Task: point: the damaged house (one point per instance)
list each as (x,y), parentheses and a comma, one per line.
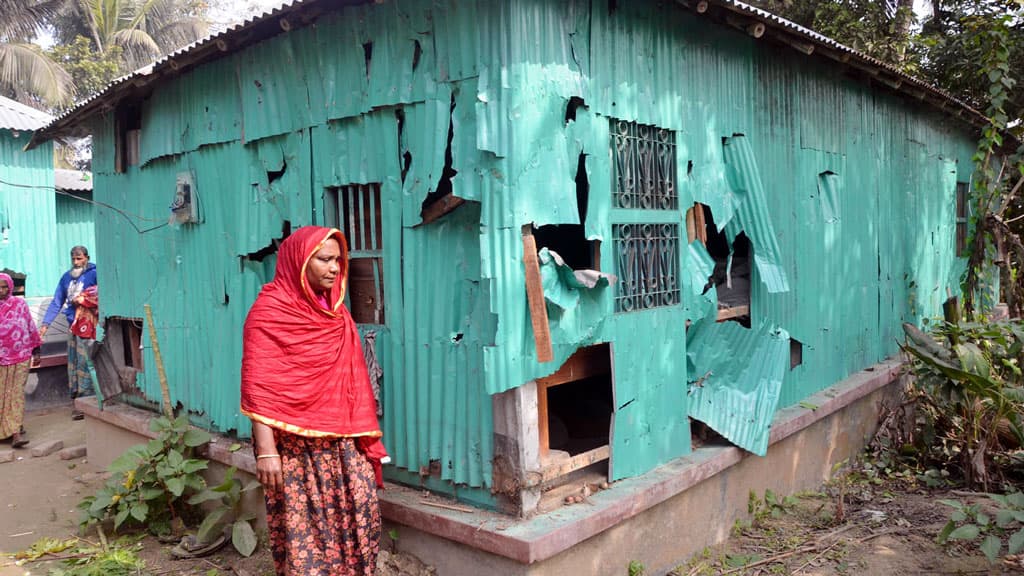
(580,231)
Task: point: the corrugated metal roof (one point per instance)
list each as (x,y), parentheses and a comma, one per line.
(72,180)
(275,21)
(17,116)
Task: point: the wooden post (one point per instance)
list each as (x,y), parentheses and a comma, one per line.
(164,390)
(535,296)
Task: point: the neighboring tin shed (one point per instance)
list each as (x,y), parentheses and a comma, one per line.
(574,225)
(27,229)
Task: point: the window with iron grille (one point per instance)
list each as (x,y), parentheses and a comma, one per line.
(645,232)
(644,167)
(962,189)
(356,210)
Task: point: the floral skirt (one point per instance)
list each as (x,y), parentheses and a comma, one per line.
(326,521)
(79,377)
(12,397)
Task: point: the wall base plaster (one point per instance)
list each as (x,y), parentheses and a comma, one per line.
(659,518)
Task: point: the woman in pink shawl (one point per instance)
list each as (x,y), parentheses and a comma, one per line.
(18,338)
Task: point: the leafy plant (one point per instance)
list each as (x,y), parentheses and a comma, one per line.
(971,522)
(120,558)
(151,483)
(770,506)
(969,384)
(229,513)
(636,568)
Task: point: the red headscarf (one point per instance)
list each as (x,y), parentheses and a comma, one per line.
(303,369)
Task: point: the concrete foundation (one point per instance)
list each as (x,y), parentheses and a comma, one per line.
(659,519)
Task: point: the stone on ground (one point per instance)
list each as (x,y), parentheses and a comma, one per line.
(73,452)
(47,448)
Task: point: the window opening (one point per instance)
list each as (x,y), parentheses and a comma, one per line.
(644,167)
(128,127)
(646,248)
(356,210)
(732,283)
(575,407)
(962,199)
(647,263)
(123,337)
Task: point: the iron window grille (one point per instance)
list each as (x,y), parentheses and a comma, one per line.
(644,167)
(647,262)
(356,210)
(645,236)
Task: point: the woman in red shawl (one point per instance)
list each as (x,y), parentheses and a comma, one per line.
(18,337)
(314,422)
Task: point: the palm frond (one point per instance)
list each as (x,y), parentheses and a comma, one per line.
(181,33)
(22,19)
(139,47)
(24,69)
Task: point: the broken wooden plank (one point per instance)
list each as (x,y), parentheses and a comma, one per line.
(734,312)
(535,296)
(440,207)
(577,462)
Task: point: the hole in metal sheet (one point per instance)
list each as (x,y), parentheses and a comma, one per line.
(689,167)
(368,56)
(796,353)
(444,184)
(570,240)
(570,110)
(457,337)
(275,175)
(259,255)
(417,53)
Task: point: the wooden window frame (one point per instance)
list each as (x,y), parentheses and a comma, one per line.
(584,363)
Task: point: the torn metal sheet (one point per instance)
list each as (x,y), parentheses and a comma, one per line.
(562,284)
(699,266)
(736,378)
(752,212)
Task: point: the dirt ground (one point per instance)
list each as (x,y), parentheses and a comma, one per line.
(885,527)
(40,495)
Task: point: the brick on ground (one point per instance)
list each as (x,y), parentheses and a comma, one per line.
(6,455)
(73,452)
(47,448)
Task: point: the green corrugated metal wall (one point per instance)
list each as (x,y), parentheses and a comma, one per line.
(873,250)
(76,224)
(27,210)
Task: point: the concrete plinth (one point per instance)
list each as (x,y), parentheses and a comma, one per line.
(658,519)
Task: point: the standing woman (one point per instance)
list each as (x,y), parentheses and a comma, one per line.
(18,337)
(314,419)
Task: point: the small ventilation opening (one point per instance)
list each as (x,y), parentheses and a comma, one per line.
(796,353)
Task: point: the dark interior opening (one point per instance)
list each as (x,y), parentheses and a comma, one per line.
(570,240)
(124,339)
(368,56)
(128,125)
(732,285)
(580,414)
(796,353)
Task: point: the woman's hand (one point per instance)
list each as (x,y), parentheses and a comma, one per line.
(270,473)
(269,470)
